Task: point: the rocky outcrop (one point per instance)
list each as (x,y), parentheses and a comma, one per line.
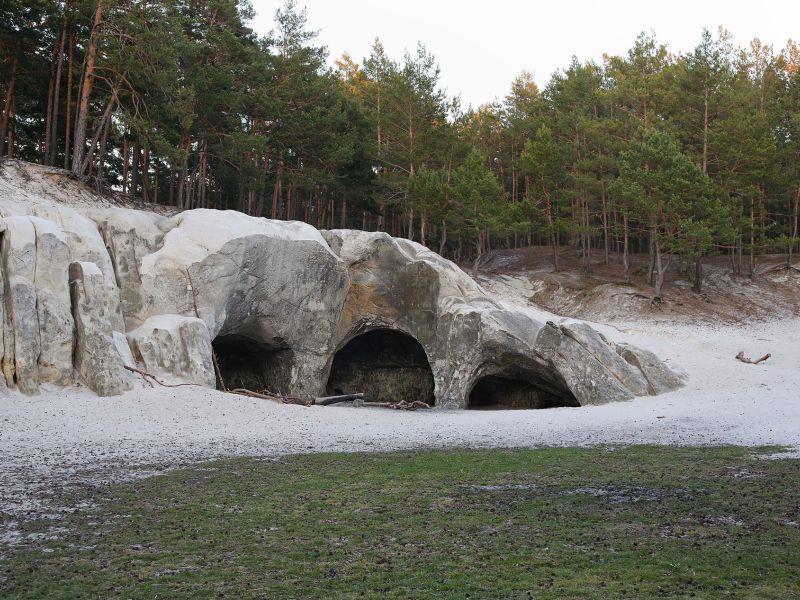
(98,359)
(177,348)
(277,301)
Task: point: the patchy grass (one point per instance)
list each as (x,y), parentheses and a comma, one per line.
(557,523)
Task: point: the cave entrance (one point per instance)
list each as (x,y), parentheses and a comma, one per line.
(253,365)
(385,365)
(495,392)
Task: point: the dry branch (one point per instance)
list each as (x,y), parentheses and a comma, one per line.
(265,395)
(402,405)
(741,357)
(328,400)
(147,376)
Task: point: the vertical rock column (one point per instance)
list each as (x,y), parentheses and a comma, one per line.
(96,357)
(22,344)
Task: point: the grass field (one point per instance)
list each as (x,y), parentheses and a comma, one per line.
(636,522)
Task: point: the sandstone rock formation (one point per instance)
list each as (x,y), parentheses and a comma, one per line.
(286,308)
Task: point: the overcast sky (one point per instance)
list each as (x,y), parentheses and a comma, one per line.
(482,46)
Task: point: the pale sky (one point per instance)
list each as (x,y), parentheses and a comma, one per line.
(482,46)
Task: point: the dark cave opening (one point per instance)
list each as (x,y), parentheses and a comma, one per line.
(385,365)
(253,365)
(494,392)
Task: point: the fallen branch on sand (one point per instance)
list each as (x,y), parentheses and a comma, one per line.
(148,376)
(402,405)
(274,397)
(328,400)
(741,357)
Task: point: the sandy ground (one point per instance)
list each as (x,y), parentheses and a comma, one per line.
(68,438)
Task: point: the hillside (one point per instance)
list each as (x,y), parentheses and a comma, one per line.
(602,295)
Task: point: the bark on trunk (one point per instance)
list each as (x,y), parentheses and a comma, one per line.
(49,115)
(625,237)
(698,275)
(660,267)
(7,106)
(86,91)
(68,120)
(752,237)
(98,130)
(793,241)
(276,191)
(51,159)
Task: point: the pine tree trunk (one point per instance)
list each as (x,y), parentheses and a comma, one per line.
(793,241)
(68,120)
(135,160)
(86,91)
(49,116)
(102,151)
(7,106)
(606,244)
(443,240)
(659,274)
(752,236)
(625,236)
(705,131)
(276,191)
(125,152)
(146,175)
(51,159)
(698,275)
(104,120)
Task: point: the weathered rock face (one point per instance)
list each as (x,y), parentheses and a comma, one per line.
(98,359)
(285,307)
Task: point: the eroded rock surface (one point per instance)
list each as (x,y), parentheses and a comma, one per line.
(280,303)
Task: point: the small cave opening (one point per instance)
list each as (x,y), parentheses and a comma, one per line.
(385,365)
(495,392)
(252,364)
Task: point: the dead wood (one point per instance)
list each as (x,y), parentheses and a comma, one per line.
(402,405)
(265,395)
(147,376)
(741,357)
(328,400)
(298,401)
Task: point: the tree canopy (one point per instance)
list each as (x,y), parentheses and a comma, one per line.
(180,103)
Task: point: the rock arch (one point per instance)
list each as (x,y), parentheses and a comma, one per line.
(512,386)
(384,364)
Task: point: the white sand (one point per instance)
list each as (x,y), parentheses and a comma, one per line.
(66,437)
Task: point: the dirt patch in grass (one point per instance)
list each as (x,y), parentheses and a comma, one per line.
(553,523)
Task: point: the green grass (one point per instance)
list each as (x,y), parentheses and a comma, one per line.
(638,522)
